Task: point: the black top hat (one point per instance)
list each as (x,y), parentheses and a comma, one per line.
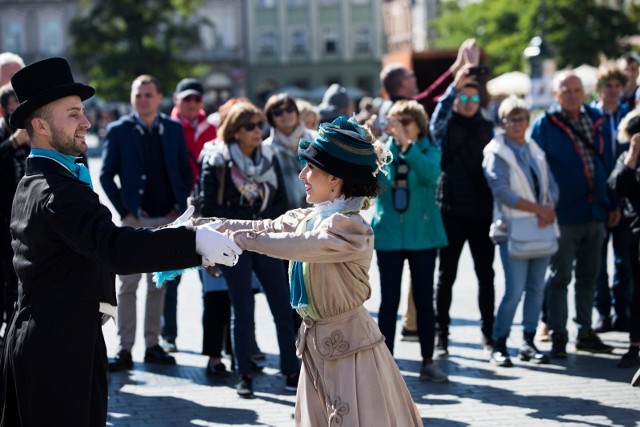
(43,82)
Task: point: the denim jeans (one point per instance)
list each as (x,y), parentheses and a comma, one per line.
(476,232)
(582,244)
(421,266)
(272,276)
(170,313)
(621,297)
(520,276)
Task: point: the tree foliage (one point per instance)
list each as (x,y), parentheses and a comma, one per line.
(117,40)
(577,31)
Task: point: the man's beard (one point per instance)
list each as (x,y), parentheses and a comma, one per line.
(63,144)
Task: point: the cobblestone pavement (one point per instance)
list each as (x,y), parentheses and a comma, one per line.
(583,390)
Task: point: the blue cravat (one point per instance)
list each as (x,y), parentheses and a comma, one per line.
(78,170)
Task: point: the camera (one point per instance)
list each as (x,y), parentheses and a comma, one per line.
(480,70)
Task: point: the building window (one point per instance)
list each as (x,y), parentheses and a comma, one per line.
(362,40)
(268,43)
(266,4)
(299,41)
(296,3)
(330,45)
(12,35)
(328,2)
(51,36)
(360,1)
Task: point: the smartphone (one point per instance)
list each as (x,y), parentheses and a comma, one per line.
(480,70)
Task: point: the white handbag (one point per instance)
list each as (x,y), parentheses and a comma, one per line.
(527,240)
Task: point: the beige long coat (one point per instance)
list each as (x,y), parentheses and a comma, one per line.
(349,378)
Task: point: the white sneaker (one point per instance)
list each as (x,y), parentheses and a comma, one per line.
(168,345)
(431,372)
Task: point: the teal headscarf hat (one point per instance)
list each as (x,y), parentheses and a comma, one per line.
(341,149)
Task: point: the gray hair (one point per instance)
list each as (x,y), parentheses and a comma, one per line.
(560,78)
(512,105)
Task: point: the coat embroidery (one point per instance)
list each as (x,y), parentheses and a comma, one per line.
(334,343)
(339,410)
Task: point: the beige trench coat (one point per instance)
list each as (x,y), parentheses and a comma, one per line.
(349,378)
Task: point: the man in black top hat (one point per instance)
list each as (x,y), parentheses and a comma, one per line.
(67,250)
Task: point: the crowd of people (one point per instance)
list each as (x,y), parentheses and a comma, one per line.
(277,193)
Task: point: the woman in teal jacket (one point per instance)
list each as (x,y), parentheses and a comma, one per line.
(408,226)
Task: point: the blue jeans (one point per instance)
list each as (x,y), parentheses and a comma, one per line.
(170,312)
(520,276)
(421,266)
(621,298)
(272,276)
(582,244)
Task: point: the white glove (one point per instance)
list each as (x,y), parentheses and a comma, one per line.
(215,247)
(182,219)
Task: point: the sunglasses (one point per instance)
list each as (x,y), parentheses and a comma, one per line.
(252,125)
(277,112)
(192,98)
(463,99)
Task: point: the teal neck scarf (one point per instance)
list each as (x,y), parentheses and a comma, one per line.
(78,170)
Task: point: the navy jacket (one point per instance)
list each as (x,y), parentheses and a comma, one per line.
(581,199)
(123,156)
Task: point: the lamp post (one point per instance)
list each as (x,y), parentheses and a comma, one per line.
(542,66)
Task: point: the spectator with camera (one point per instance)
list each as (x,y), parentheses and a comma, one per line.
(460,130)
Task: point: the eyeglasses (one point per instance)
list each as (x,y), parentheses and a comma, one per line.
(192,98)
(516,121)
(277,112)
(252,125)
(463,99)
(405,121)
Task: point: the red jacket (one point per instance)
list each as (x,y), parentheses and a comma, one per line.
(195,138)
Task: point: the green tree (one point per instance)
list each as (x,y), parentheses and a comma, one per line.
(577,31)
(117,40)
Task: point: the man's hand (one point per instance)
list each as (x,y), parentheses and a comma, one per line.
(20,138)
(215,247)
(468,53)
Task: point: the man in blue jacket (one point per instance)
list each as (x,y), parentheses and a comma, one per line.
(147,151)
(579,153)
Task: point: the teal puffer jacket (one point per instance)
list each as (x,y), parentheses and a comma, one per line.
(420,226)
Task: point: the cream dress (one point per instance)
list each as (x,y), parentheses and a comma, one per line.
(349,378)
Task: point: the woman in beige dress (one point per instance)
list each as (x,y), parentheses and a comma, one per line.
(348,378)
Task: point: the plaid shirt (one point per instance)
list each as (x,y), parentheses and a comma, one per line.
(583,124)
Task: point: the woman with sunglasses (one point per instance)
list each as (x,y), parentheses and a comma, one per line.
(241,179)
(408,226)
(286,131)
(349,378)
(523,186)
(465,201)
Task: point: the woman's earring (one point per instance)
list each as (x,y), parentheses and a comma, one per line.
(332,189)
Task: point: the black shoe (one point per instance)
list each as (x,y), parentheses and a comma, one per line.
(122,362)
(630,359)
(529,351)
(408,335)
(592,344)
(558,346)
(244,388)
(291,382)
(500,354)
(158,356)
(603,324)
(218,371)
(257,369)
(442,344)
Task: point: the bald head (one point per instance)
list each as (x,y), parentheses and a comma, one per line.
(569,92)
(10,63)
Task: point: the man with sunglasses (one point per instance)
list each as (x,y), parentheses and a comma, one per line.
(465,200)
(188,109)
(147,151)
